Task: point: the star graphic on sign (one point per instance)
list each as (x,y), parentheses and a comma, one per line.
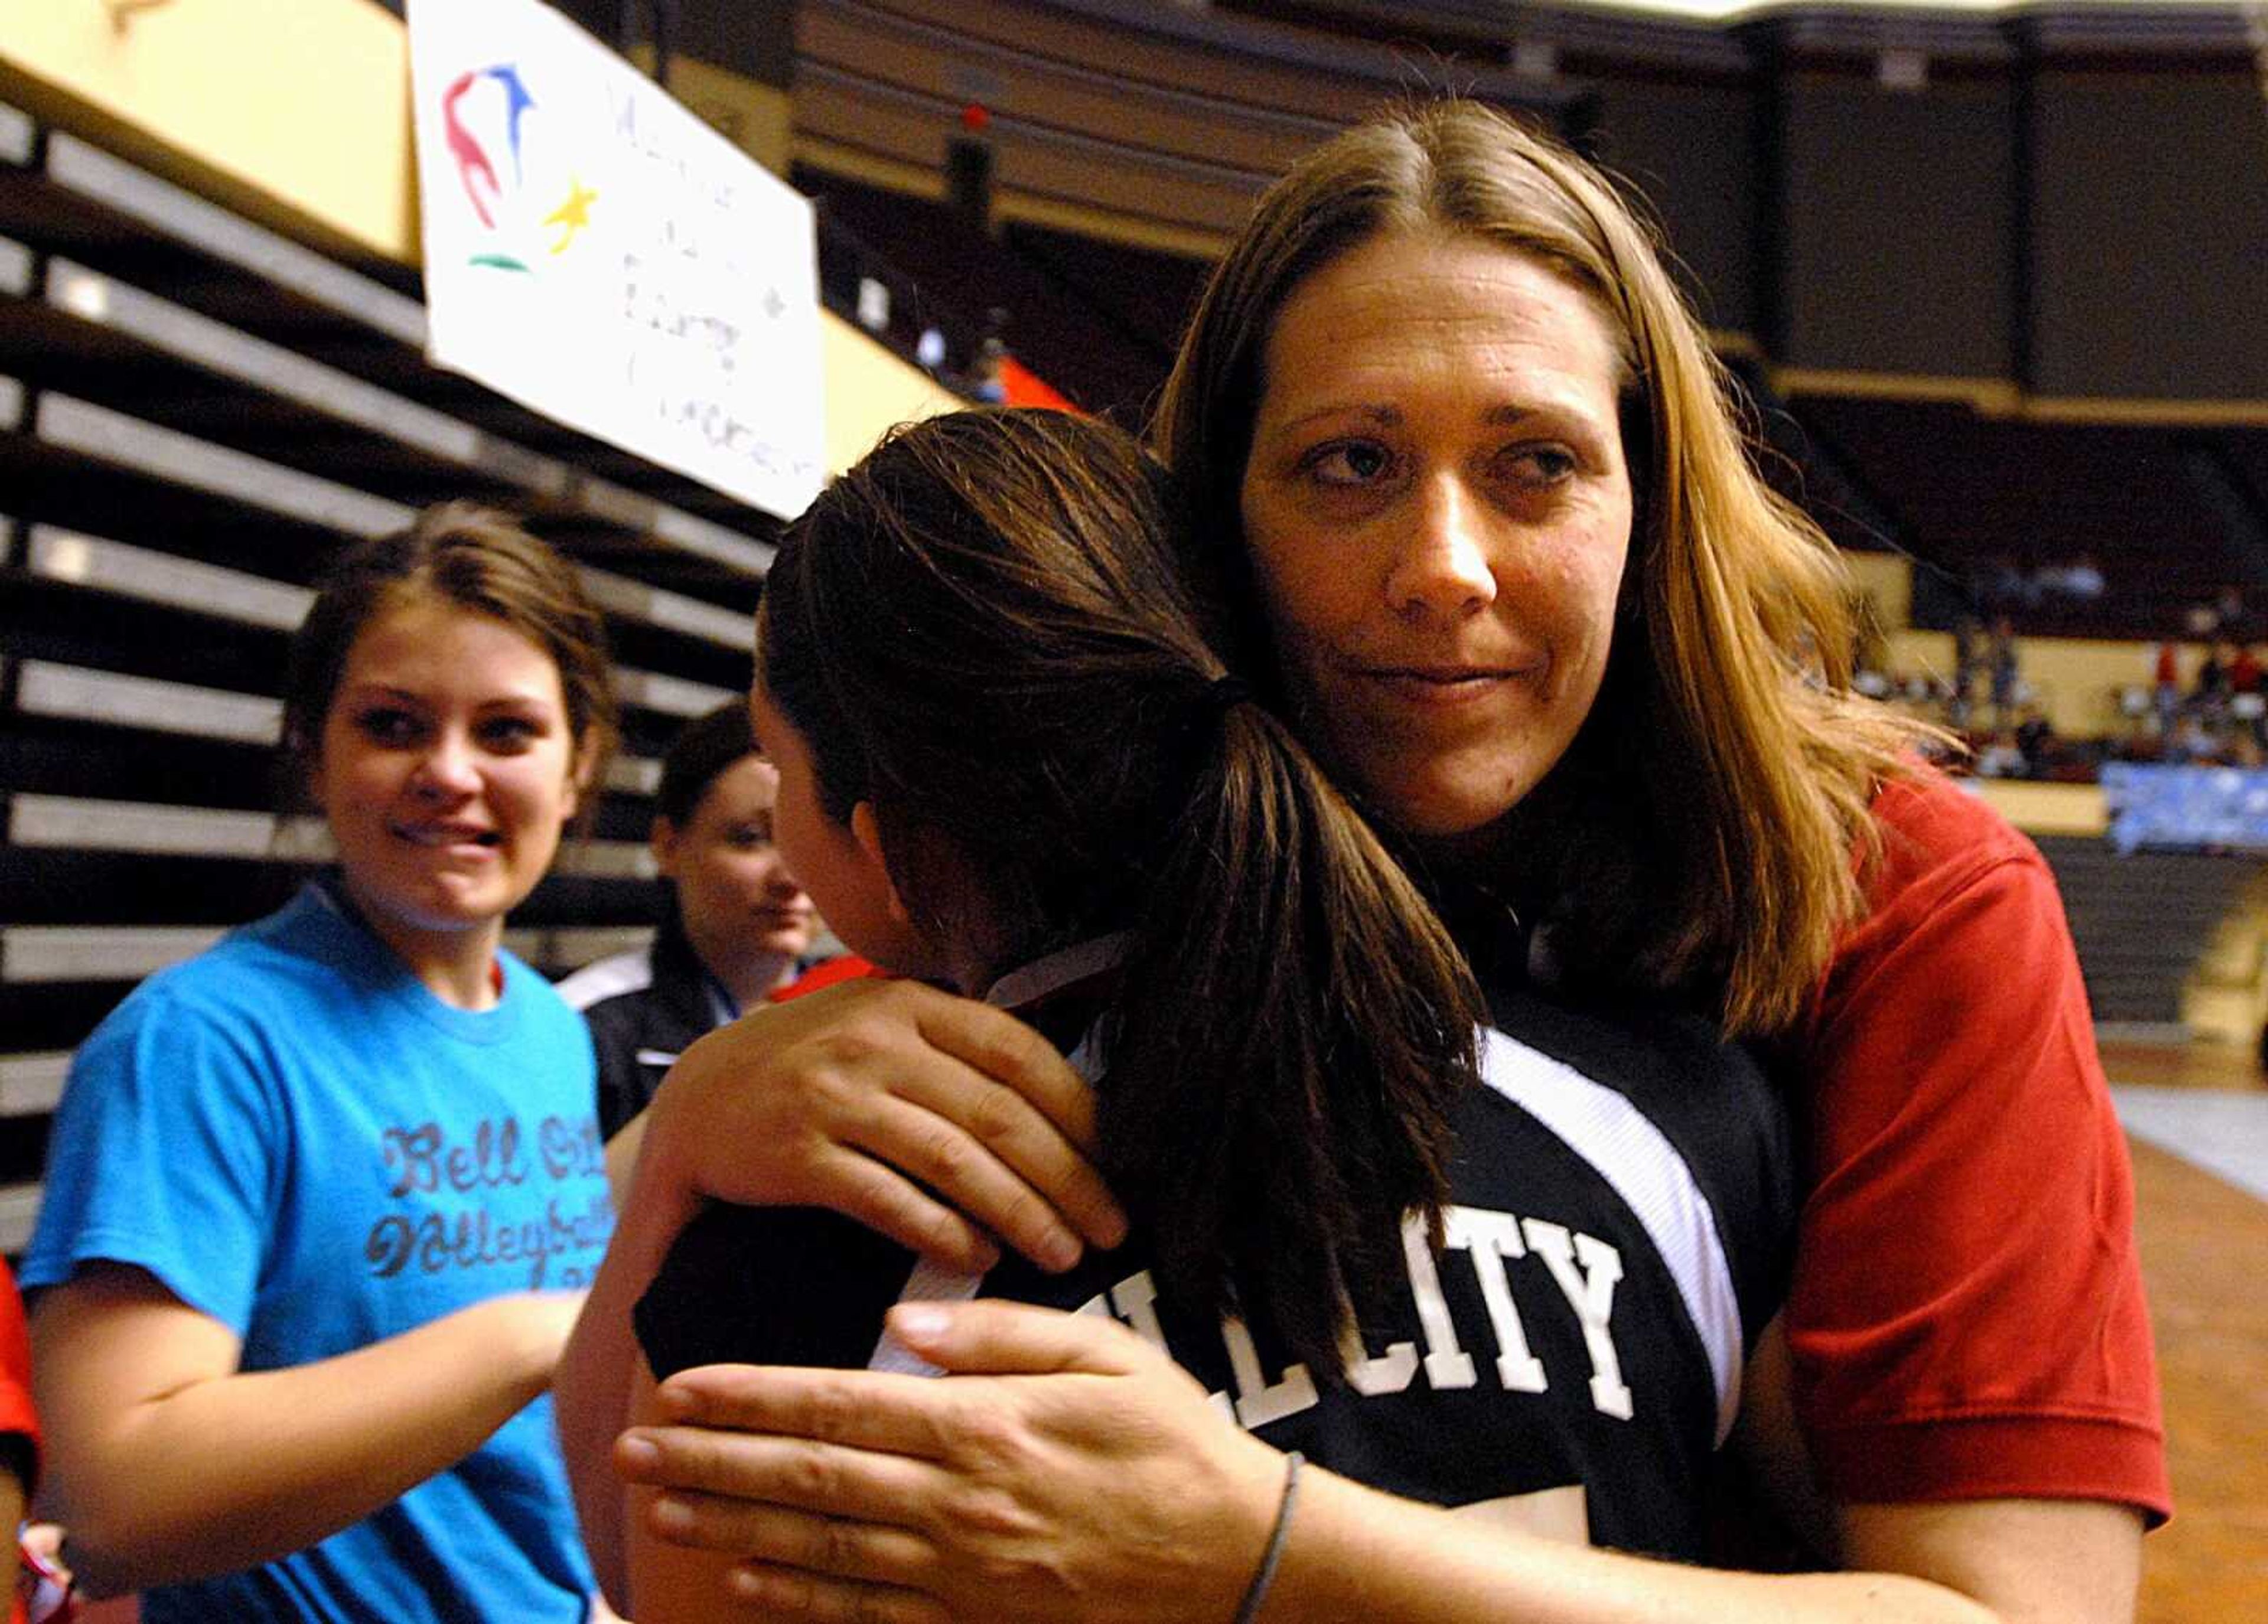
(571,216)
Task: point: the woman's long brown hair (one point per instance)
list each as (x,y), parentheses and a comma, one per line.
(983,630)
(1700,834)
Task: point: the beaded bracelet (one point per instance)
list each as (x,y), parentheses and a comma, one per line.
(1263,1576)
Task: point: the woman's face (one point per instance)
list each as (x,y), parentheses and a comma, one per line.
(1439,513)
(447,768)
(734,892)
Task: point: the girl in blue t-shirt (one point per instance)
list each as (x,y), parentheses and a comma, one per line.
(322,1200)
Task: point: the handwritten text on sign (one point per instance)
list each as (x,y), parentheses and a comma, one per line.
(597,252)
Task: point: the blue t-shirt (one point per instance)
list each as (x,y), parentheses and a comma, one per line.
(296,1138)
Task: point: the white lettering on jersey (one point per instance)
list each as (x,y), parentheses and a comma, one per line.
(1390,1372)
(1584,1268)
(1491,1237)
(1591,1294)
(1135,1299)
(1259,1401)
(1447,1364)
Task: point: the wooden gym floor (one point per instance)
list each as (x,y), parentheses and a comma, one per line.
(2198,1120)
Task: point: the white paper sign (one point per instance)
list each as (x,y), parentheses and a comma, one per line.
(597,252)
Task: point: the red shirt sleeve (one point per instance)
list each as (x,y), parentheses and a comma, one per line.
(1967,1318)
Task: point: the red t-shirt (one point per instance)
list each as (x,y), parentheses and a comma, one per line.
(1967,1318)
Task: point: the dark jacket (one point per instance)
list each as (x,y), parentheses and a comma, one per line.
(644,1008)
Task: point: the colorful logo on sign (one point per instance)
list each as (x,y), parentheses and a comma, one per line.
(523,208)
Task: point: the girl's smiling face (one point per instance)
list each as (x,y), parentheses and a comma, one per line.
(447,771)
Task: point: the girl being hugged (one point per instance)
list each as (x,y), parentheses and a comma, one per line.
(1013,761)
(319,1199)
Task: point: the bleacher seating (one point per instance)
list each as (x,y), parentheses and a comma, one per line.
(2143,923)
(1091,352)
(1161,121)
(195,413)
(2149,503)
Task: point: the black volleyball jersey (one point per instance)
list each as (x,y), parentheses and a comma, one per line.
(1619,1231)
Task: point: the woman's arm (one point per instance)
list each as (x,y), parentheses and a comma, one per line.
(1362,1554)
(168,1463)
(2043,1559)
(890,1102)
(598,1372)
(1075,1471)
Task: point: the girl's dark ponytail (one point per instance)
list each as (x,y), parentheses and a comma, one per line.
(1291,1028)
(987,631)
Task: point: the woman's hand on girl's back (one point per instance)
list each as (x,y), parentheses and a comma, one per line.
(1066,1469)
(939,1122)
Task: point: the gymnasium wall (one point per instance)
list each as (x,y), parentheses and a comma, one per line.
(297,112)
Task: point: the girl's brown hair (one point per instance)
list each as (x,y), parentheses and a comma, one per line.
(1701,831)
(701,754)
(478,560)
(984,631)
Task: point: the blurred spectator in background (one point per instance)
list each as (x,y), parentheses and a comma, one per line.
(985,379)
(2036,736)
(2002,757)
(2167,680)
(738,926)
(2001,585)
(2006,683)
(2193,743)
(2213,676)
(2244,669)
(1967,663)
(2248,707)
(2080,581)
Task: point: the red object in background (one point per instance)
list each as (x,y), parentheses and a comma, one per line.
(974,118)
(1027,387)
(849,967)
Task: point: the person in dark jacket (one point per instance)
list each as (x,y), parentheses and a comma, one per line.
(739,926)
